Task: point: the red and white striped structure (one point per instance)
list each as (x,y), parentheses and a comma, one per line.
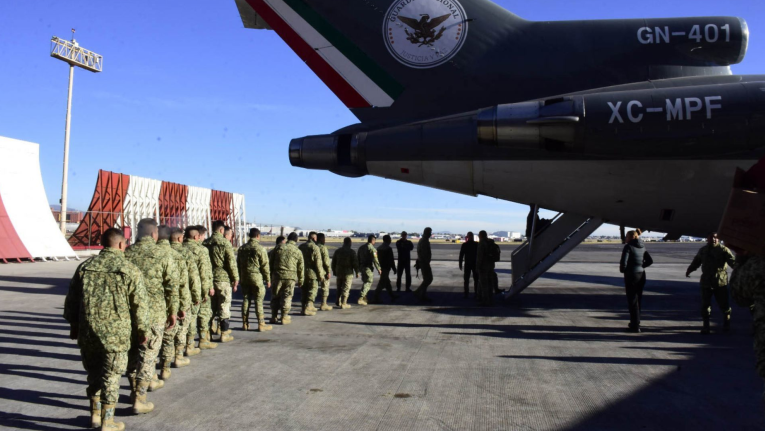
(28,229)
(121,201)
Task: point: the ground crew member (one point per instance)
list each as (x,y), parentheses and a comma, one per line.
(167,353)
(367,263)
(160,276)
(327,264)
(314,271)
(193,292)
(106,301)
(252,263)
(345,264)
(486,255)
(423,257)
(713,259)
(202,259)
(225,277)
(288,269)
(195,287)
(747,285)
(388,264)
(404,248)
(468,252)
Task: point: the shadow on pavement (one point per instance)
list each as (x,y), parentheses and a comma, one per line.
(20,421)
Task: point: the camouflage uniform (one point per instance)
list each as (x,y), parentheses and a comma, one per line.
(327,265)
(714,261)
(485,266)
(194,288)
(288,269)
(423,257)
(202,260)
(367,263)
(345,264)
(388,264)
(747,285)
(314,271)
(252,262)
(224,273)
(106,300)
(160,276)
(184,302)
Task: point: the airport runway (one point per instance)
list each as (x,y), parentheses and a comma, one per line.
(556,358)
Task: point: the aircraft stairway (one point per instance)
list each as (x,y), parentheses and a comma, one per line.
(547,246)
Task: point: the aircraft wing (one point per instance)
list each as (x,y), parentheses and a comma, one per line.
(250,18)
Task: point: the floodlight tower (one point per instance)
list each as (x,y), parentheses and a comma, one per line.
(72,53)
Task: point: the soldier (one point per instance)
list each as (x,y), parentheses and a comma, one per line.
(167,353)
(468,251)
(225,277)
(288,269)
(404,248)
(713,259)
(193,293)
(314,271)
(160,276)
(344,265)
(327,265)
(253,265)
(388,264)
(202,259)
(106,300)
(228,233)
(487,255)
(368,262)
(747,285)
(279,241)
(195,286)
(423,258)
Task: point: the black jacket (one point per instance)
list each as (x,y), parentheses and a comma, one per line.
(634,257)
(404,248)
(469,251)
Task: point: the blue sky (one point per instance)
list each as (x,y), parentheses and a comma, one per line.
(190,96)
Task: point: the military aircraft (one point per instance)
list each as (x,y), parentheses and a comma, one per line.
(635,122)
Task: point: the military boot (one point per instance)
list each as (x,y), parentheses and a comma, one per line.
(245,323)
(705,329)
(225,335)
(107,419)
(156,384)
(312,307)
(262,327)
(307,311)
(286,320)
(274,321)
(95,412)
(180,361)
(140,405)
(204,341)
(165,366)
(325,306)
(362,300)
(344,304)
(191,350)
(726,323)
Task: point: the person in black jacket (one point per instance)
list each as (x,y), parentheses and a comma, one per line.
(468,252)
(635,258)
(404,248)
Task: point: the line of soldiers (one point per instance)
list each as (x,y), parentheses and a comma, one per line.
(129,306)
(480,259)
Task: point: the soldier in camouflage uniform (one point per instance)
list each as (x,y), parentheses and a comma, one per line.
(327,265)
(279,241)
(288,269)
(747,285)
(713,259)
(185,342)
(345,264)
(225,276)
(193,287)
(255,276)
(314,271)
(423,258)
(388,264)
(368,263)
(202,259)
(160,276)
(106,300)
(167,354)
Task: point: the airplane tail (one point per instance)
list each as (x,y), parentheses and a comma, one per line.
(392,61)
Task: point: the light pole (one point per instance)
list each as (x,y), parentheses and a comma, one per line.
(75,55)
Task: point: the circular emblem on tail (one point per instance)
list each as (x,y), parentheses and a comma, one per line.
(425,33)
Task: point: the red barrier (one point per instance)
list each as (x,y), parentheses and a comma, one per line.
(172,204)
(11,246)
(220,205)
(105,210)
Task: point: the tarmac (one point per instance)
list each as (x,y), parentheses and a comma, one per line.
(555,358)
